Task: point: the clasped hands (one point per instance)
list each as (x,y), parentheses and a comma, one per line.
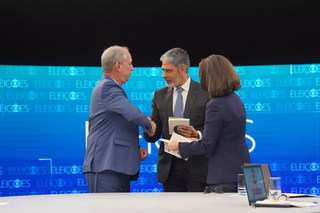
(153,127)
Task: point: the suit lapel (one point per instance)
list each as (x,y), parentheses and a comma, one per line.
(168,101)
(192,95)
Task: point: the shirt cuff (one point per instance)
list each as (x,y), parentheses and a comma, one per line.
(200,135)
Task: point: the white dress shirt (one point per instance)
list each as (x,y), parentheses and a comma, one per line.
(184,93)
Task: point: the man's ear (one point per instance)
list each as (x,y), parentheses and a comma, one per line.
(183,68)
(117,65)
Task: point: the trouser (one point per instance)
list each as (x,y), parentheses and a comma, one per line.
(107,181)
(180,178)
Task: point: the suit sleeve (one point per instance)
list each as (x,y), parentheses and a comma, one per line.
(155,116)
(211,133)
(116,101)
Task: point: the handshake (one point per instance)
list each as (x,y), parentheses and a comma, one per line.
(153,127)
(186,131)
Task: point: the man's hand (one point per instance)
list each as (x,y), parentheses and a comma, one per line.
(143,153)
(173,145)
(153,127)
(188,131)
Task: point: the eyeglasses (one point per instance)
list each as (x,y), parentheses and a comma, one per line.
(283,197)
(209,189)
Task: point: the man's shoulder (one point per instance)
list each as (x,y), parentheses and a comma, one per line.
(107,87)
(197,85)
(108,84)
(194,82)
(162,90)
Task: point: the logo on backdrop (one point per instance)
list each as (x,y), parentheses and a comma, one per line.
(148,168)
(308,167)
(17,183)
(297,179)
(69,170)
(66,71)
(54,182)
(60,96)
(278,167)
(13,83)
(256,83)
(305,69)
(313,191)
(85,84)
(14,108)
(258,107)
(33,170)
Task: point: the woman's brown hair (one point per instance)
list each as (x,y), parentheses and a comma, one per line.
(218,76)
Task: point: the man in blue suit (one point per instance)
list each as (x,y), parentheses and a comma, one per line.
(113,155)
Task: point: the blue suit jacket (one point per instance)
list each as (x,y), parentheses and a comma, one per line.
(113,140)
(223,139)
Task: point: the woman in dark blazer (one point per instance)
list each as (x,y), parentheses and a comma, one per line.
(225,125)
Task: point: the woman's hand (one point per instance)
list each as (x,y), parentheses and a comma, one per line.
(173,145)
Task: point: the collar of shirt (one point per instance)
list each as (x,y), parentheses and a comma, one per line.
(185,86)
(114,80)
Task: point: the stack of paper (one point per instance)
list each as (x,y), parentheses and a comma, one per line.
(279,203)
(175,137)
(298,195)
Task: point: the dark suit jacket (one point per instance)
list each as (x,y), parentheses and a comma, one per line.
(113,141)
(224,139)
(162,109)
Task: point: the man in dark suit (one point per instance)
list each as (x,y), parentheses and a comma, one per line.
(182,97)
(113,154)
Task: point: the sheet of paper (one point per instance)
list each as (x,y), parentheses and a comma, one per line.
(179,138)
(175,137)
(165,140)
(177,121)
(279,203)
(299,195)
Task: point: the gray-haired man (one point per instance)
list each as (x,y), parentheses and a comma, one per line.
(182,97)
(113,154)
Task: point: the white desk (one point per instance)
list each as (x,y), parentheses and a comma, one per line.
(140,203)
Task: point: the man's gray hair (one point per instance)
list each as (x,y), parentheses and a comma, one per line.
(111,55)
(177,56)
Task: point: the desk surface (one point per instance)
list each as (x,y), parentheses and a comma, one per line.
(140,202)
